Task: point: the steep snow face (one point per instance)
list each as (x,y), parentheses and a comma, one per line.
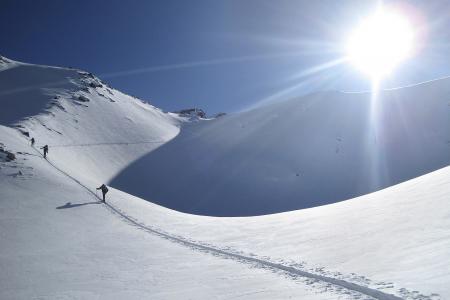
(25,90)
(306,152)
(71,109)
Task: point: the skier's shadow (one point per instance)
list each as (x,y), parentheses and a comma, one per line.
(70,205)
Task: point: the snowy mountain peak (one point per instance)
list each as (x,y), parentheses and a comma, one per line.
(68,108)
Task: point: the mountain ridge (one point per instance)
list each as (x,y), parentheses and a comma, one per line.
(319,149)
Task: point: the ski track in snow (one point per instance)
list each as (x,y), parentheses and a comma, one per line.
(108,144)
(338,283)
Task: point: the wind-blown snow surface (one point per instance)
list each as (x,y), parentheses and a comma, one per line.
(305,152)
(58,241)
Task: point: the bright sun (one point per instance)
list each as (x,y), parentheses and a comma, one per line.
(380,43)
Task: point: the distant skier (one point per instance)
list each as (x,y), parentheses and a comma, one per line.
(104,191)
(45,150)
(32,142)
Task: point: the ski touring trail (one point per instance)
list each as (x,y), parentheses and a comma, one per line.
(109,144)
(339,284)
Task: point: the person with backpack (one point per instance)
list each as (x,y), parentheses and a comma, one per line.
(32,142)
(104,190)
(45,150)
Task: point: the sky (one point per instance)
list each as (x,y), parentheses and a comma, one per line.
(221,56)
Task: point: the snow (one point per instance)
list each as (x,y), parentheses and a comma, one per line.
(86,252)
(398,235)
(315,150)
(5,63)
(44,101)
(58,240)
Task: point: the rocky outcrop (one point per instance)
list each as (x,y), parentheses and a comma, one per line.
(6,155)
(192,112)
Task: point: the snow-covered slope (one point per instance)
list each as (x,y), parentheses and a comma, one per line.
(396,240)
(301,153)
(70,109)
(57,241)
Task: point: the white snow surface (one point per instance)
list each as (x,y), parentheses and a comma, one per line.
(57,241)
(107,131)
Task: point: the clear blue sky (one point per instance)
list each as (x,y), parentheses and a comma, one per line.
(217,55)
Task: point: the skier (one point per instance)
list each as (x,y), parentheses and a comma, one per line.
(104,190)
(45,150)
(32,142)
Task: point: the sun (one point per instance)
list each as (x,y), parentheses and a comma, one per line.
(380,43)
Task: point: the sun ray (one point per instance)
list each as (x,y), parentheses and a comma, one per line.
(318,68)
(201,63)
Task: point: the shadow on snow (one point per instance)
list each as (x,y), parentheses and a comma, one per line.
(70,205)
